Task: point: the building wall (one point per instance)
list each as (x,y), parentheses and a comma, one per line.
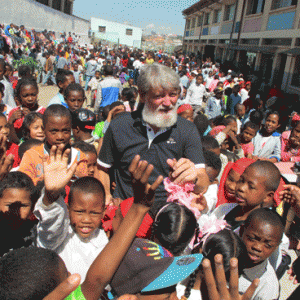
(34,15)
(116,32)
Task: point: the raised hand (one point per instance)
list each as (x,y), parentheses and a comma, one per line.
(65,288)
(217,285)
(56,172)
(6,162)
(142,190)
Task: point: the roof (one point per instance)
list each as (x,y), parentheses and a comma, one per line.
(198,6)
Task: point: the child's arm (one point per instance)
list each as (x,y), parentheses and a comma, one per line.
(107,262)
(6,162)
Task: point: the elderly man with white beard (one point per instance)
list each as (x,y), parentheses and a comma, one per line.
(157,134)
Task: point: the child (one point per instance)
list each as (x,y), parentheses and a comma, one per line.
(267,144)
(11,148)
(28,145)
(290,144)
(76,73)
(63,79)
(233,99)
(4,108)
(93,84)
(74,96)
(214,105)
(8,98)
(27,93)
(90,153)
(239,111)
(186,112)
(219,241)
(262,234)
(229,179)
(129,97)
(17,199)
(32,127)
(57,122)
(202,124)
(245,138)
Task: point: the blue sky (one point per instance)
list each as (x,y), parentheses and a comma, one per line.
(161,16)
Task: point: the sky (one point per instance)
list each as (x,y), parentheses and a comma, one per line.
(161,16)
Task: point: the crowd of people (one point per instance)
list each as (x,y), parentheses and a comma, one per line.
(148,175)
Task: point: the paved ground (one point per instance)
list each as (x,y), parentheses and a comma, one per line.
(47,92)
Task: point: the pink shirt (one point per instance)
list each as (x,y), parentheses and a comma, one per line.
(247,148)
(288,153)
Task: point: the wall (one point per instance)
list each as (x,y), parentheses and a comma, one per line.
(32,14)
(116,32)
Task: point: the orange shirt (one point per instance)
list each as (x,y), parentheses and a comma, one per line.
(32,163)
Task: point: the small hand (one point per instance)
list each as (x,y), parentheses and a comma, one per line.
(292,276)
(17,114)
(217,284)
(142,190)
(25,111)
(182,171)
(68,286)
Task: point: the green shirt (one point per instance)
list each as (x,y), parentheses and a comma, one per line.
(76,295)
(97,133)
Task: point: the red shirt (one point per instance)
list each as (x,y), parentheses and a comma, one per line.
(13,149)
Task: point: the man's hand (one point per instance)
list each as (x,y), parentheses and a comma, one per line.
(65,288)
(217,285)
(56,172)
(182,171)
(142,190)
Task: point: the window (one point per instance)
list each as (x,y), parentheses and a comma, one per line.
(56,4)
(255,7)
(128,31)
(283,3)
(229,12)
(200,21)
(206,18)
(296,74)
(45,2)
(67,8)
(188,23)
(102,29)
(217,16)
(193,22)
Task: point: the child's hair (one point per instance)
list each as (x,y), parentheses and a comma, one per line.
(87,185)
(128,94)
(28,145)
(61,76)
(115,104)
(256,117)
(224,242)
(236,107)
(201,122)
(2,88)
(24,82)
(212,160)
(19,180)
(251,125)
(28,120)
(209,143)
(228,91)
(84,147)
(227,120)
(269,171)
(56,110)
(174,227)
(267,216)
(73,87)
(29,273)
(24,70)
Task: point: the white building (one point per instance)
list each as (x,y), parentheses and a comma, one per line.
(116,32)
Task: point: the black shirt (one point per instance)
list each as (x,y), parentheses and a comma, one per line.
(127,137)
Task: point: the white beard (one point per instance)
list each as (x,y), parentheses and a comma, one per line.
(158,118)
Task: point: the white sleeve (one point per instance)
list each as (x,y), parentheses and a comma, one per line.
(53,226)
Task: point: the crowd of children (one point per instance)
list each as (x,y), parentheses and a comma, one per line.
(53,209)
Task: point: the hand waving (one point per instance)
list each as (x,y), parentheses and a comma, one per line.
(142,190)
(56,172)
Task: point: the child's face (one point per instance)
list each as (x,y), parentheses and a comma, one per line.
(240,111)
(248,134)
(68,80)
(261,240)
(28,96)
(225,145)
(234,126)
(295,136)
(199,80)
(37,130)
(75,100)
(272,123)
(4,127)
(217,151)
(58,131)
(230,183)
(251,189)
(86,212)
(188,114)
(11,196)
(212,174)
(75,67)
(91,163)
(130,81)
(97,75)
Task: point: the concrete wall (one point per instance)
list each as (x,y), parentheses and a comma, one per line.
(116,32)
(32,14)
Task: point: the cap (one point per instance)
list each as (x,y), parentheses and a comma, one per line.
(184,107)
(149,267)
(195,72)
(218,90)
(84,118)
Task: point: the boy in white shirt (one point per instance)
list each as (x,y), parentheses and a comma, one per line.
(72,230)
(92,86)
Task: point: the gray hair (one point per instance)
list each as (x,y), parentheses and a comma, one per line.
(157,76)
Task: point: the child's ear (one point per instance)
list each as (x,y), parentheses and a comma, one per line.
(269,199)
